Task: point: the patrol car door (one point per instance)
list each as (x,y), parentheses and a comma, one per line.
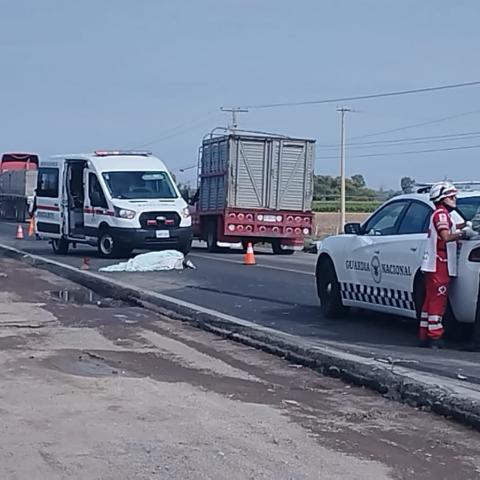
(379,260)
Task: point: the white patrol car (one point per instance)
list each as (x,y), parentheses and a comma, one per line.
(115,200)
(376,265)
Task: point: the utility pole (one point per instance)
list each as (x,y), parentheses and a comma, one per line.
(343,111)
(234,111)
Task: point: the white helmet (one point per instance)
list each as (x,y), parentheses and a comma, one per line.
(442,190)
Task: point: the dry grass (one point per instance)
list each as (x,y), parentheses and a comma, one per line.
(329,223)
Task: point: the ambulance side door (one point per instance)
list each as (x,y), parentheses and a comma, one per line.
(49,208)
(95,203)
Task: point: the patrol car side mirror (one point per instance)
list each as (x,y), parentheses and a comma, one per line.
(352,228)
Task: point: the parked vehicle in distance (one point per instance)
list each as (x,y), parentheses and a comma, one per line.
(18,178)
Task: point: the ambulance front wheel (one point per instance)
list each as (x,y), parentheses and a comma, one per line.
(108,246)
(60,246)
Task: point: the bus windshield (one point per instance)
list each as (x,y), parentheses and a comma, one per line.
(139,185)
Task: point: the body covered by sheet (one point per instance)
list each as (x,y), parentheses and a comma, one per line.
(151,262)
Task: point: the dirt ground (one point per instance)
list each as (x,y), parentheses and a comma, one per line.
(91,388)
(326,223)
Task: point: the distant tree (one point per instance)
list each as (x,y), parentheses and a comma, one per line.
(407,184)
(327,187)
(358,181)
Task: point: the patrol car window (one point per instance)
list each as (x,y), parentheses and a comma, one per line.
(384,222)
(415,219)
(139,185)
(47,182)
(469,207)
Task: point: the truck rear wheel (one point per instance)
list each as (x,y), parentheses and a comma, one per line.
(60,246)
(278,250)
(211,237)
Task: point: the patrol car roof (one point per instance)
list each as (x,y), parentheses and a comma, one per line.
(424,196)
(117,162)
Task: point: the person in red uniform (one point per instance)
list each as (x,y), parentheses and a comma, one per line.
(439,263)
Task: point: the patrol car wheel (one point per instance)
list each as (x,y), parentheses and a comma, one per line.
(328,289)
(60,246)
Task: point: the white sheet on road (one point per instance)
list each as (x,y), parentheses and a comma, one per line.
(151,262)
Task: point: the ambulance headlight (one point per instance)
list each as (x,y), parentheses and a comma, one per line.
(186,212)
(124,213)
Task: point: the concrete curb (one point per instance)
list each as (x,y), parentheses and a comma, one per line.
(442,395)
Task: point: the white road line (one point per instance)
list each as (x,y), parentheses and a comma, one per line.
(271,267)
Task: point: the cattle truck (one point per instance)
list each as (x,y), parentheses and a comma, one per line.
(18,179)
(254,188)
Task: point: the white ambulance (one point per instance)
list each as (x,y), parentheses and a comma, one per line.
(117,201)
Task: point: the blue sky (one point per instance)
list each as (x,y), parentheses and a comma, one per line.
(80,75)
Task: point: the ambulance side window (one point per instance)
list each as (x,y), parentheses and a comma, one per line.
(95,192)
(415,219)
(47,182)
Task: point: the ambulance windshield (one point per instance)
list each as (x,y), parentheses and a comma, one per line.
(139,185)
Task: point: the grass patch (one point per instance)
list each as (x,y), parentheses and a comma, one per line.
(356,206)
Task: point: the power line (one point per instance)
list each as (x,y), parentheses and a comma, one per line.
(415,125)
(364,97)
(411,152)
(178,130)
(407,141)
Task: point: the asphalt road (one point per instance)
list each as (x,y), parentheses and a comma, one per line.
(278,292)
(118,392)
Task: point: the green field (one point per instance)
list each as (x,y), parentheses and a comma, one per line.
(354,206)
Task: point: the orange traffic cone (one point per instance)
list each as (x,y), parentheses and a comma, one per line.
(31,227)
(85,263)
(249,258)
(19,232)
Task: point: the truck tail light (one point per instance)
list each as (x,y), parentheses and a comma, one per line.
(306,220)
(231,228)
(298,219)
(248,228)
(298,230)
(306,231)
(289,218)
(289,230)
(231,215)
(240,216)
(260,217)
(279,218)
(262,229)
(239,228)
(474,255)
(275,229)
(249,217)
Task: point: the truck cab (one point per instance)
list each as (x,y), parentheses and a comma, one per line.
(115,200)
(18,161)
